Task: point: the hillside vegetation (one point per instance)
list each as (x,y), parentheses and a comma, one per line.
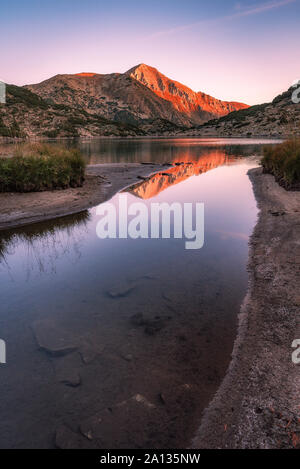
(280,118)
(26,114)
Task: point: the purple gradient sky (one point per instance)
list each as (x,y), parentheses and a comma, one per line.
(243,51)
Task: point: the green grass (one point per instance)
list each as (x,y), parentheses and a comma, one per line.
(40,167)
(283,161)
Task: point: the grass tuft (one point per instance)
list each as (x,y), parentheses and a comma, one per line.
(39,167)
(283,161)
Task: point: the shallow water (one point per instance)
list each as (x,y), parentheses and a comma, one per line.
(159,150)
(152,324)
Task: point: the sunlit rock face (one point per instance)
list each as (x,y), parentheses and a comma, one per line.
(85,74)
(140,95)
(181,171)
(182,98)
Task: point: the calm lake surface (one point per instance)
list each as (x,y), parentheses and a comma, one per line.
(148,326)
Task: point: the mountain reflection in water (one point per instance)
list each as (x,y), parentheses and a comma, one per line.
(181,171)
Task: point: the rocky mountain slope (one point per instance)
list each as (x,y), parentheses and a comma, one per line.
(279,118)
(26,114)
(141,101)
(197,106)
(139,97)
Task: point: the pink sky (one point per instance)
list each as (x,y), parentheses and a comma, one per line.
(241,51)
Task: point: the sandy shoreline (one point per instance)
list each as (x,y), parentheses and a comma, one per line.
(258,403)
(102,182)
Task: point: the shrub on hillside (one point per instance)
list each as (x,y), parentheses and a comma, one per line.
(283,161)
(40,167)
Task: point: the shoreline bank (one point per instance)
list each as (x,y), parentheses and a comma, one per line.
(257,405)
(179,135)
(102,182)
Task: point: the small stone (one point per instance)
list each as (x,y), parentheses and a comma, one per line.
(94,427)
(154,326)
(66,370)
(89,351)
(276,213)
(138,319)
(143,400)
(128,357)
(65,438)
(121,290)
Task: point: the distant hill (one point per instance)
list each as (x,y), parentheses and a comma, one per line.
(279,118)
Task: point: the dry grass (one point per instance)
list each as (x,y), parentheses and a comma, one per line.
(283,161)
(39,167)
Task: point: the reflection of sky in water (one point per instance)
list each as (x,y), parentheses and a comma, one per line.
(74,259)
(61,270)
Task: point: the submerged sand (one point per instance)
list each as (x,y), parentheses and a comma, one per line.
(258,403)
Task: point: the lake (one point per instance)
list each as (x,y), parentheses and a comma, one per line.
(144,327)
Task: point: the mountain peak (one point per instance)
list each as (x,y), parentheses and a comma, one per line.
(140,68)
(183,99)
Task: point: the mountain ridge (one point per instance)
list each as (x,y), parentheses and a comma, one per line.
(135,97)
(28,115)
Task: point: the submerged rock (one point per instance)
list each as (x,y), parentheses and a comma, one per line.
(151,325)
(65,438)
(127,418)
(126,286)
(178,397)
(128,357)
(138,319)
(67,370)
(121,290)
(89,351)
(52,338)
